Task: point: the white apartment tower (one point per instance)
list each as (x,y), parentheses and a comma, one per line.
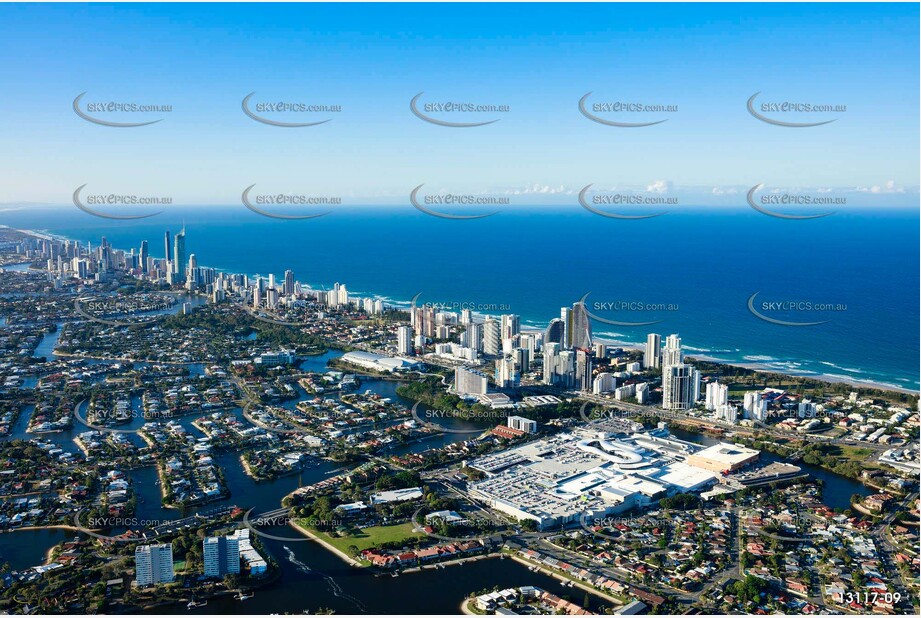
(672,354)
(153,564)
(491,337)
(522,424)
(404,340)
(755,405)
(469,382)
(652,357)
(221,555)
(680,386)
(717,395)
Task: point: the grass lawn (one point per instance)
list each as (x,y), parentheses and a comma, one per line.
(855,452)
(371,537)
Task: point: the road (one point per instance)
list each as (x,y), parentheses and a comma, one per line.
(642,410)
(886,548)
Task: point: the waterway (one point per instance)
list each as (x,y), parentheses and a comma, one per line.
(837,490)
(313,578)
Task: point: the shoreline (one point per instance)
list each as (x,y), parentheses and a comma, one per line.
(541,569)
(821,377)
(47,527)
(766,369)
(328,546)
(126,360)
(831,379)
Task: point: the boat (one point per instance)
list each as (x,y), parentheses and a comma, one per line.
(194,603)
(242,597)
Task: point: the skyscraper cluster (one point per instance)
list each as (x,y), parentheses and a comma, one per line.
(680,381)
(568,352)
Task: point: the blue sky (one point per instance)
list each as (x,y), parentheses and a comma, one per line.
(538,59)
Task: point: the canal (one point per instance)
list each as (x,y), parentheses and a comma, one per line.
(836,492)
(313,578)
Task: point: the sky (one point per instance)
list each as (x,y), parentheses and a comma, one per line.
(539,60)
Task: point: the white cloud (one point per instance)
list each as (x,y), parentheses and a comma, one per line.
(888,187)
(539,189)
(659,186)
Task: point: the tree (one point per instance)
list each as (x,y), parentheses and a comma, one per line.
(749,589)
(231,581)
(528,524)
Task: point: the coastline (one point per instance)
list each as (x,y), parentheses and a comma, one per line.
(763,368)
(753,366)
(820,377)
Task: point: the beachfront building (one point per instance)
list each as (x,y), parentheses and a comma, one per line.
(652,356)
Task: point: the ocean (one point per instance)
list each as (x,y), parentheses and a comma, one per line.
(692,272)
